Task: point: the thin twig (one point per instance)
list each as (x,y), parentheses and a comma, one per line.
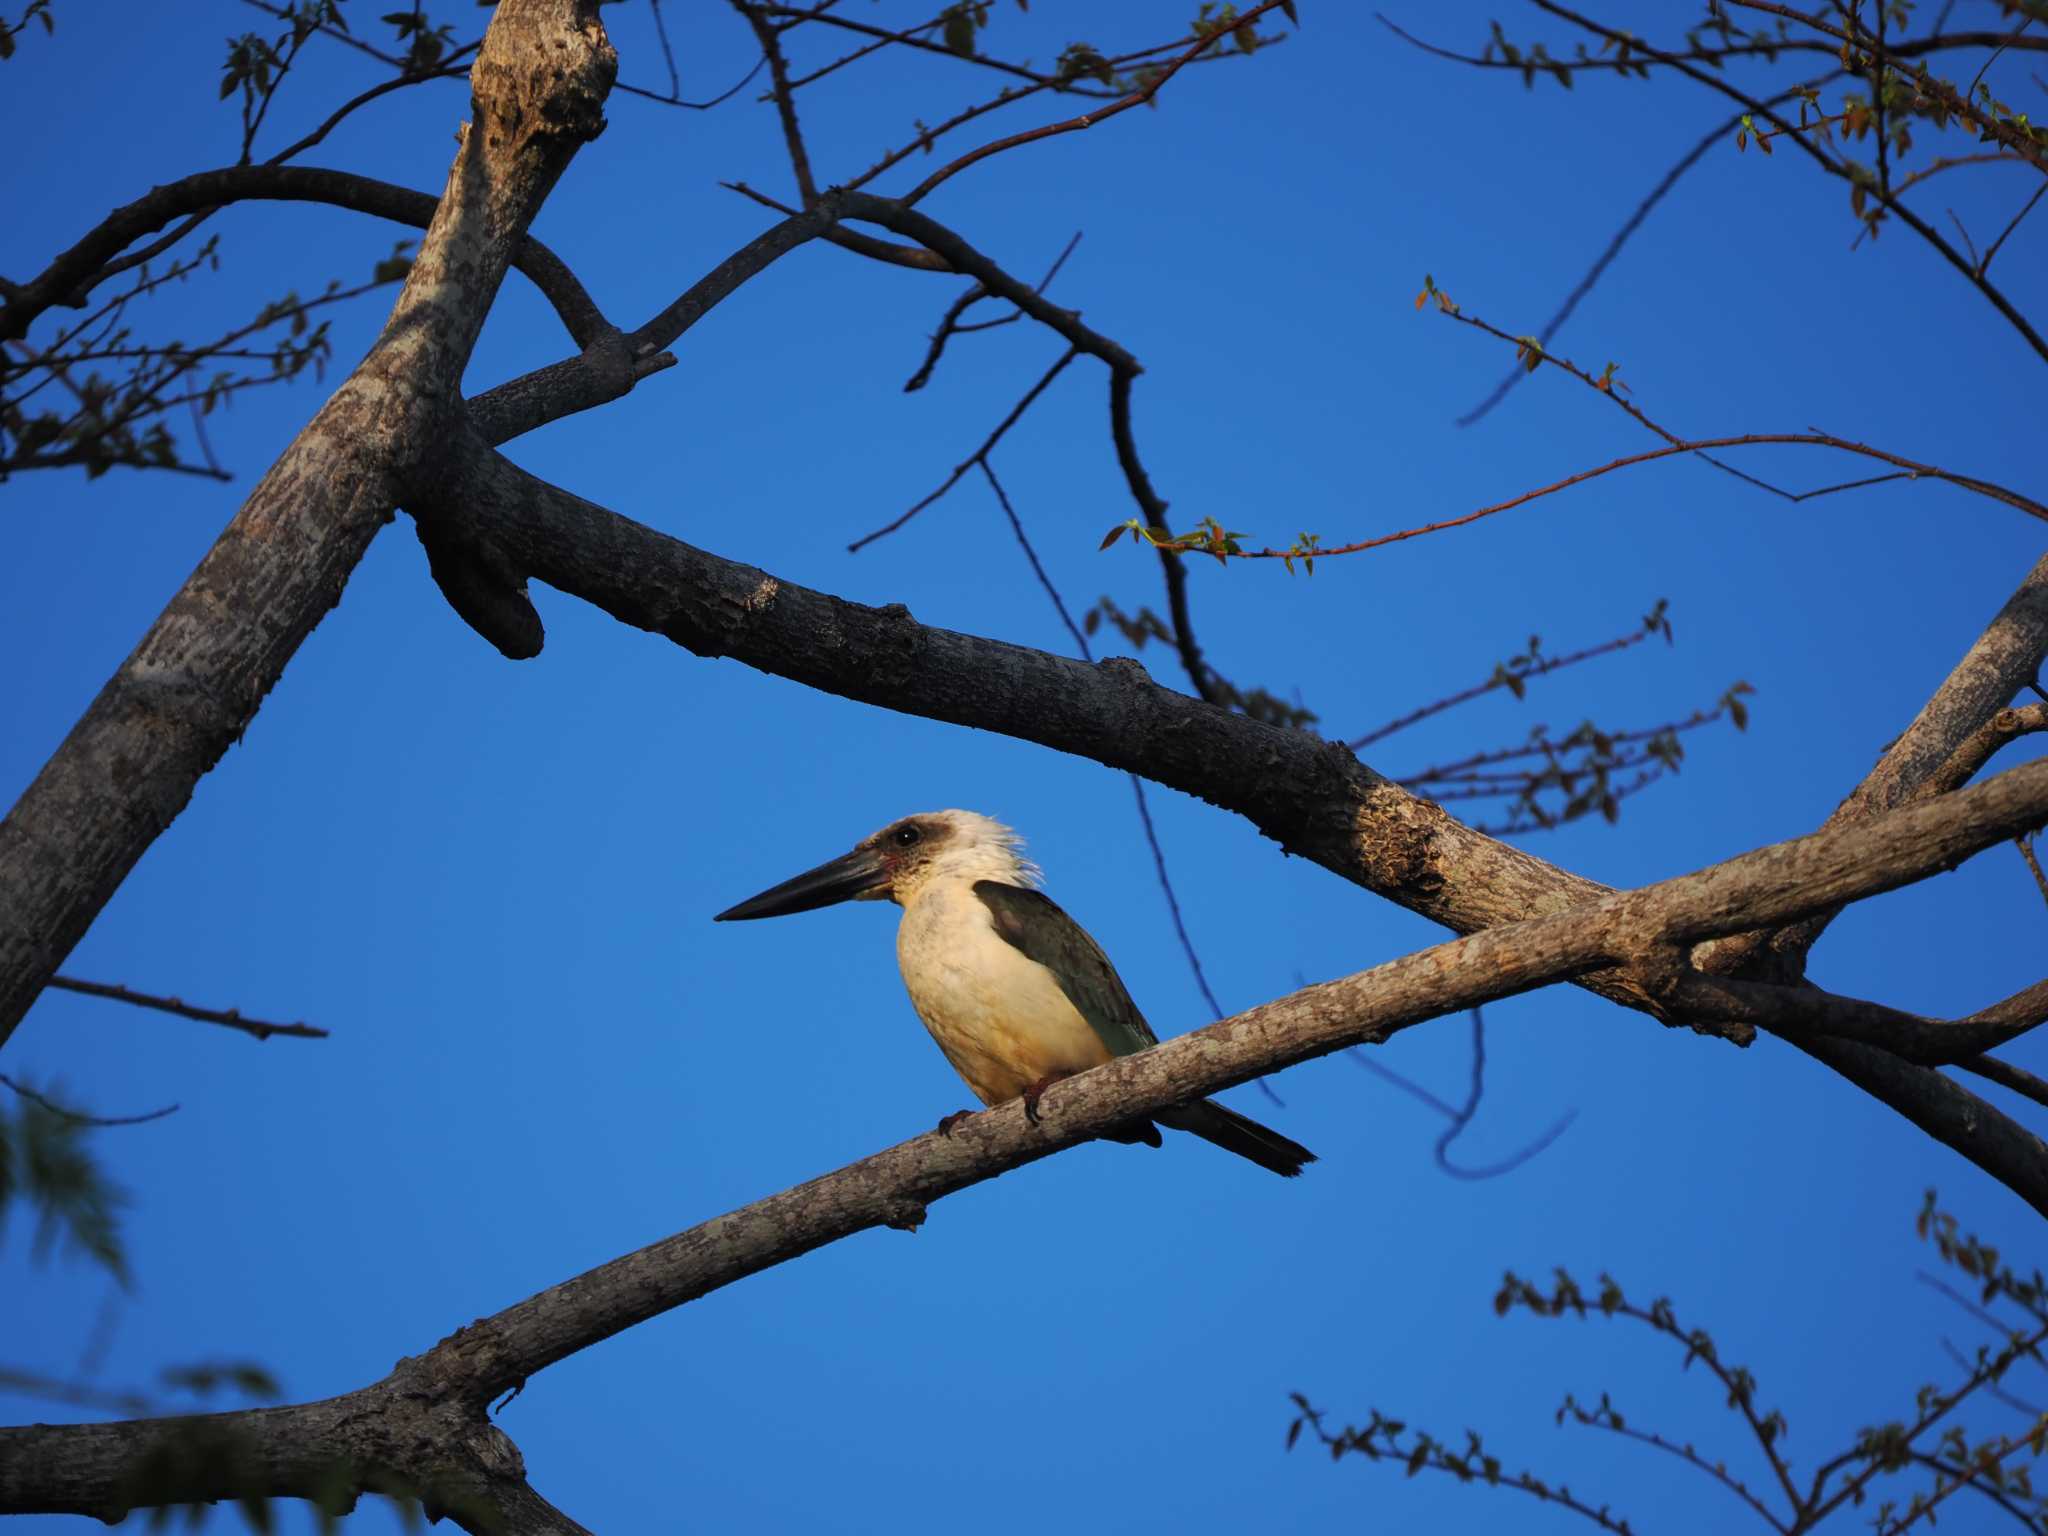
(1464,1118)
(979,456)
(1087,653)
(79,1117)
(1501,679)
(1992,249)
(1085,120)
(2026,848)
(230,1017)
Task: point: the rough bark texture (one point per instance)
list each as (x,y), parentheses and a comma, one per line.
(425,1426)
(1953,736)
(396,431)
(194,683)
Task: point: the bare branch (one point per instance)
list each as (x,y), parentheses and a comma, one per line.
(77,1117)
(979,456)
(1805,1010)
(1225,547)
(68,279)
(262,1029)
(1507,675)
(1892,204)
(192,685)
(426,1421)
(1139,97)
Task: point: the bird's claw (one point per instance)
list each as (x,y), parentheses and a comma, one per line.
(947,1123)
(1036,1092)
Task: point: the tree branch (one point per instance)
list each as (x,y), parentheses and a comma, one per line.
(230,1017)
(72,275)
(190,688)
(1796,1012)
(425,1423)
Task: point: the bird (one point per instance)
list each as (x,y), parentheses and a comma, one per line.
(1014,991)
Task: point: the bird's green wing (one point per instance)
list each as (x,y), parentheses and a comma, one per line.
(1033,923)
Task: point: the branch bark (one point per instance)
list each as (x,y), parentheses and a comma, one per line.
(1952,737)
(425,1425)
(193,684)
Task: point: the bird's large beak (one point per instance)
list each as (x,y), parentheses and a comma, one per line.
(858,873)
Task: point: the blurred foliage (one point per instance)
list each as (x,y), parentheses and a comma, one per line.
(47,1165)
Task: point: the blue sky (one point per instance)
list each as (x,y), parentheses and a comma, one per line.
(493,882)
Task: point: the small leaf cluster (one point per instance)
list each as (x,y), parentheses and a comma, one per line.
(426,44)
(38,10)
(99,420)
(1208,537)
(1431,291)
(1380,1439)
(1552,780)
(255,64)
(1213,19)
(1709,42)
(958,24)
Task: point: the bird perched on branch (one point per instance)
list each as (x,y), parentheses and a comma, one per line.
(1013,990)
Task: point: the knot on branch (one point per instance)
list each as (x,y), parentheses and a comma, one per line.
(545,69)
(1683,997)
(483,587)
(904,1215)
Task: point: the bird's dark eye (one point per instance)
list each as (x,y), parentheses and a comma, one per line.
(906,836)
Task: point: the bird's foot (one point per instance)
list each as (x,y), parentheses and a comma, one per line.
(1036,1092)
(946,1125)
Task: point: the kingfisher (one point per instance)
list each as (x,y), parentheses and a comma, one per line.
(1014,991)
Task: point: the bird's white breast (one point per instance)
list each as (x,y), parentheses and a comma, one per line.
(999,1016)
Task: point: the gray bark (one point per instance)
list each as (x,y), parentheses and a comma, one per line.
(191,687)
(426,1427)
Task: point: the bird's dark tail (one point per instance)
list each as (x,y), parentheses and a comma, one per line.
(1234,1133)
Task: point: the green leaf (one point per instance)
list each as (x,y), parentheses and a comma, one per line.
(959,33)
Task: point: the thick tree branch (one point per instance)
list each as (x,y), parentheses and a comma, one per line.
(612,364)
(1938,749)
(192,685)
(1311,796)
(425,1424)
(1798,1012)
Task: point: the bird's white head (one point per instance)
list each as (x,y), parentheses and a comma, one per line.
(899,861)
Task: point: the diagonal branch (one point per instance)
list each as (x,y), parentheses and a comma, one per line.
(189,689)
(1898,209)
(425,1422)
(230,1017)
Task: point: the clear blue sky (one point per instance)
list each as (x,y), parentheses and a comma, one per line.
(493,882)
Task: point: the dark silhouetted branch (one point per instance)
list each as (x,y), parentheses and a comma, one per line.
(230,1017)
